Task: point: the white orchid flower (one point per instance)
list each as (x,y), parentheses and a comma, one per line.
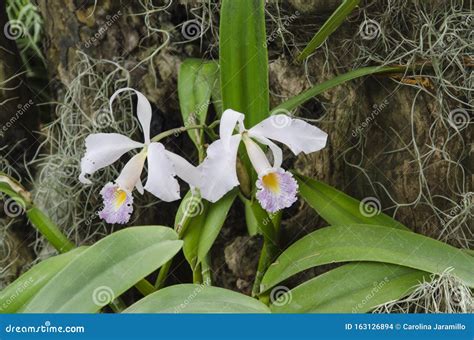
(276,188)
(103,149)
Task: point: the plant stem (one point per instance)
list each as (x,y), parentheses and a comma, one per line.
(117,305)
(270,250)
(182,129)
(49,230)
(197,274)
(145,287)
(162,275)
(176,131)
(206,270)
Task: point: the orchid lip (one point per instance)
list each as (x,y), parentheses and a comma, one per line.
(118,204)
(277,191)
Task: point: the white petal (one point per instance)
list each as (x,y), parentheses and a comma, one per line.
(143,111)
(276,150)
(103,149)
(298,135)
(229,119)
(185,170)
(131,172)
(161,180)
(257,157)
(218,170)
(139,187)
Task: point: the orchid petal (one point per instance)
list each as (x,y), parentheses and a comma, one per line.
(185,170)
(219,173)
(298,135)
(143,111)
(161,180)
(276,150)
(139,187)
(256,155)
(103,149)
(131,172)
(229,119)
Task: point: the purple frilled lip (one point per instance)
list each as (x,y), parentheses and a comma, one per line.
(118,204)
(281,196)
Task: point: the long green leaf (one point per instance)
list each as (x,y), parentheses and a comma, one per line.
(196,81)
(191,238)
(215,218)
(369,243)
(105,270)
(190,206)
(334,21)
(15,190)
(49,229)
(193,298)
(243,59)
(294,102)
(19,292)
(337,208)
(351,288)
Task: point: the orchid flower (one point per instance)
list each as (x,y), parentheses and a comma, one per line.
(276,188)
(103,149)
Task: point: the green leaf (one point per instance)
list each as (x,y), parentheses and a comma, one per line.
(243,59)
(337,208)
(49,230)
(369,243)
(190,206)
(351,288)
(20,291)
(215,218)
(264,222)
(196,81)
(296,101)
(105,270)
(193,298)
(15,190)
(334,21)
(250,219)
(192,236)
